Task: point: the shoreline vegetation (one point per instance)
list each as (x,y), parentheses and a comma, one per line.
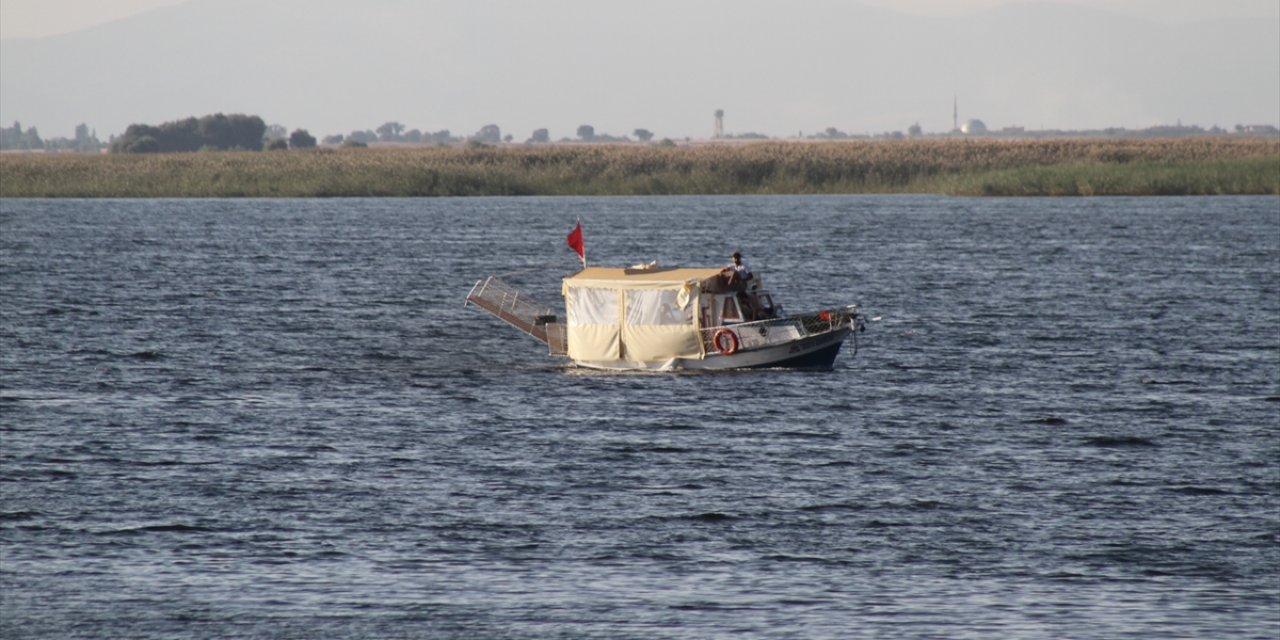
(964,167)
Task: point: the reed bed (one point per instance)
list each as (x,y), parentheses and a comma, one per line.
(1182,166)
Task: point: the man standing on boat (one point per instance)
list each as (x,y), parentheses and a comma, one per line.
(737,274)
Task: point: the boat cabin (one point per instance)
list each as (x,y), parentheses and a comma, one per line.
(735,307)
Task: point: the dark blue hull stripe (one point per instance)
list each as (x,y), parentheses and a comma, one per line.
(822,359)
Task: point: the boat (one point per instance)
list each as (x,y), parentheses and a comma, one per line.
(648,317)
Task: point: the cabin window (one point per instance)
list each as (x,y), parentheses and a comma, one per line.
(730,312)
(586,306)
(657,307)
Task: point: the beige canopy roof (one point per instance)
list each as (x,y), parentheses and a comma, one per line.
(651,278)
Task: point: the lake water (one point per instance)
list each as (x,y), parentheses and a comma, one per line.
(275,419)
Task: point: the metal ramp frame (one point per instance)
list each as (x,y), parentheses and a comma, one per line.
(507,304)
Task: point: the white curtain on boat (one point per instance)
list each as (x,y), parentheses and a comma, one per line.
(594,331)
(632,324)
(659,325)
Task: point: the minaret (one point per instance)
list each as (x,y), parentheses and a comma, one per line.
(719,123)
(955,113)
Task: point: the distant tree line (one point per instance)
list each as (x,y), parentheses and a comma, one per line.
(15,138)
(86,141)
(1159,131)
(489,134)
(245,132)
(251,133)
(392,132)
(587,133)
(219,131)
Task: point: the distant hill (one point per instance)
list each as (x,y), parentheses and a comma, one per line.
(332,66)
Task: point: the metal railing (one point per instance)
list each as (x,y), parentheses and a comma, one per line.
(506,298)
(519,310)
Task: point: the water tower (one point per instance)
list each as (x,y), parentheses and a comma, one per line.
(719,123)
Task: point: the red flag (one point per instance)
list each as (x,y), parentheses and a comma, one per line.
(575,243)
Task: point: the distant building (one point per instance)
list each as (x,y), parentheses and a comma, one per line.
(973,127)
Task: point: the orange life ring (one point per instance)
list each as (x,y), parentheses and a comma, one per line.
(725,349)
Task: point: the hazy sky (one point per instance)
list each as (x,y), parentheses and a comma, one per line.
(35,18)
(777,67)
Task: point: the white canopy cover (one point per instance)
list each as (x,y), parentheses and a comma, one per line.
(641,315)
